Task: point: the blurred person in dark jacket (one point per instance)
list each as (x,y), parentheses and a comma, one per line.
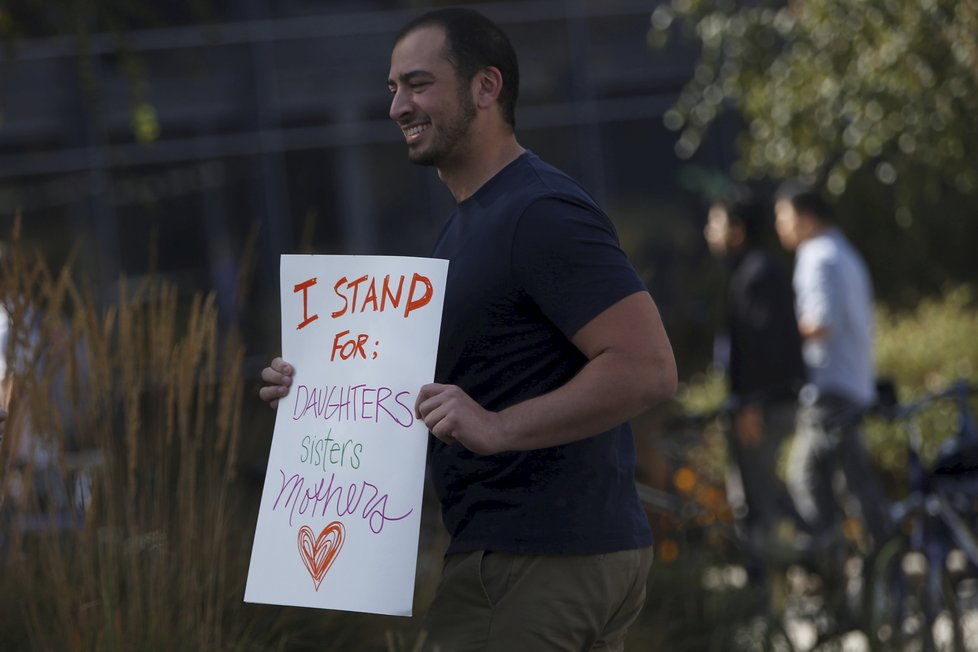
(762,357)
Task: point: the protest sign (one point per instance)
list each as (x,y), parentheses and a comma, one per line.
(340,512)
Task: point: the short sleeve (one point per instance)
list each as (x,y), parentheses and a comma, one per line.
(814,291)
(567,258)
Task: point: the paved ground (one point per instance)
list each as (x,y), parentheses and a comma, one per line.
(805,615)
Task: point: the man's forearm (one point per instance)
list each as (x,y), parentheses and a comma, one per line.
(630,367)
(608,391)
(811,330)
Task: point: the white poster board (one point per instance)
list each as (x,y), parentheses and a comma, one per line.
(340,512)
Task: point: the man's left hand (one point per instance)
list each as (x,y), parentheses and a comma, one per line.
(452,415)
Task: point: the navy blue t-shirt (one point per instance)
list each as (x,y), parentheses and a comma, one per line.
(533,259)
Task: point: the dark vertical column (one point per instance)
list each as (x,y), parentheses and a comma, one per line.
(582,94)
(271,194)
(222,242)
(356,213)
(85,128)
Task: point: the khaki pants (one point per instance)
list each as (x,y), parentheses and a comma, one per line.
(501,602)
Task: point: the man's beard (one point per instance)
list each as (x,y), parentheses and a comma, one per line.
(451,133)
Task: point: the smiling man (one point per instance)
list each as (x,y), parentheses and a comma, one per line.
(433,99)
(549,344)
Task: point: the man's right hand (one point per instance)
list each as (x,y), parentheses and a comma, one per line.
(277,377)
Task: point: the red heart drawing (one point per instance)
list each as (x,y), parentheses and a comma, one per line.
(319,553)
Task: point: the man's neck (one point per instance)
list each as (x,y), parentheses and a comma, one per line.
(813,230)
(465,176)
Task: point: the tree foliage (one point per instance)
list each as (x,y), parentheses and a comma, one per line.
(831,87)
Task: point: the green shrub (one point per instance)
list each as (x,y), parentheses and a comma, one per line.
(924,350)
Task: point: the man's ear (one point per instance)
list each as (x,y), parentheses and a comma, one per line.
(489,84)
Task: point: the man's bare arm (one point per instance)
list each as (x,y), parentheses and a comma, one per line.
(630,367)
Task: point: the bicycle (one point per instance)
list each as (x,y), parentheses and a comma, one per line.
(812,594)
(927,571)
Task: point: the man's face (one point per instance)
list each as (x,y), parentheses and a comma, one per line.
(434,110)
(717,230)
(786,224)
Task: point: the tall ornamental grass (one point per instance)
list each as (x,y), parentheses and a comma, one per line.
(118,467)
(126,522)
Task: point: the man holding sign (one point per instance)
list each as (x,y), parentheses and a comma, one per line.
(549,344)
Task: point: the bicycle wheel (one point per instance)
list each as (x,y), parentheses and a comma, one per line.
(910,602)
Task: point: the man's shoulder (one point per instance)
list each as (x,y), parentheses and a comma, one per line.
(541,180)
(761,266)
(822,249)
(763,260)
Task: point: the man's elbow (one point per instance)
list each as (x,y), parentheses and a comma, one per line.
(812,330)
(661,380)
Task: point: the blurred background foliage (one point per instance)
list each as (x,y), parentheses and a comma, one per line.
(827,87)
(876,101)
(921,350)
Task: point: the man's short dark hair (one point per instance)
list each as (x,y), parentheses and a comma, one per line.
(473,43)
(805,198)
(744,208)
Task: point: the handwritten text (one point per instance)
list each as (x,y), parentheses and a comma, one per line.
(353,403)
(321,451)
(363,499)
